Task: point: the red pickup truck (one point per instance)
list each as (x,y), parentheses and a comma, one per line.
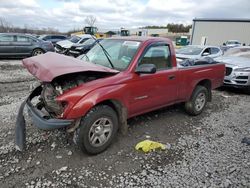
(119,78)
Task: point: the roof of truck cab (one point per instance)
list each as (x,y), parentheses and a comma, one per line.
(140,38)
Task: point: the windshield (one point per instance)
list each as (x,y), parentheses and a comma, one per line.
(121,53)
(89,42)
(74,39)
(232,42)
(239,52)
(190,50)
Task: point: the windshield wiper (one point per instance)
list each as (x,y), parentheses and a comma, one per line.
(105,53)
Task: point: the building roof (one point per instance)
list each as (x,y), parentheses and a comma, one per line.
(221,19)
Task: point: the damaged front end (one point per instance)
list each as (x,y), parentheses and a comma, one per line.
(45,110)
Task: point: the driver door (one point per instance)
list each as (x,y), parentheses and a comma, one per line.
(151,91)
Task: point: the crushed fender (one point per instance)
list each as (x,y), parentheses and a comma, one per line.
(148,145)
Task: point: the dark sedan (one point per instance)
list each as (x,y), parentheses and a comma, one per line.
(53,38)
(79,49)
(15,44)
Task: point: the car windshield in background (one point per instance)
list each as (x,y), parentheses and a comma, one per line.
(41,37)
(74,39)
(239,52)
(89,42)
(190,50)
(121,53)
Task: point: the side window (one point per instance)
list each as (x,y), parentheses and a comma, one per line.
(159,56)
(47,38)
(61,37)
(214,50)
(22,39)
(6,38)
(207,50)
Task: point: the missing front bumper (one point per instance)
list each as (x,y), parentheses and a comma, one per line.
(38,119)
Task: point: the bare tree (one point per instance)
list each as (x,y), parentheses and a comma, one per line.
(90,20)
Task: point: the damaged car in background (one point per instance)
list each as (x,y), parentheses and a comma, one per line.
(79,49)
(119,78)
(237,62)
(62,47)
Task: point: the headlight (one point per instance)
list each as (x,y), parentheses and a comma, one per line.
(245,69)
(78,48)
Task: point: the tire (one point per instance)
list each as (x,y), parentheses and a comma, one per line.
(198,101)
(37,51)
(91,128)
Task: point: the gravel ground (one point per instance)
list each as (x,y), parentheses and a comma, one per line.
(206,151)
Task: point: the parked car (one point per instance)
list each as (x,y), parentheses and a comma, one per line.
(196,52)
(53,38)
(63,46)
(16,44)
(79,49)
(232,43)
(237,62)
(120,78)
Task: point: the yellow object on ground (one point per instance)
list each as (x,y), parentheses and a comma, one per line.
(148,145)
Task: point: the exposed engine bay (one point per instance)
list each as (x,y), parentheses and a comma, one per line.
(50,91)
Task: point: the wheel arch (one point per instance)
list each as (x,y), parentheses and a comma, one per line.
(120,110)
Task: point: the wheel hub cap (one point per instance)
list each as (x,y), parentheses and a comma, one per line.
(200,101)
(100,131)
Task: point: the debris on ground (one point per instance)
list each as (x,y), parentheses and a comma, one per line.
(148,145)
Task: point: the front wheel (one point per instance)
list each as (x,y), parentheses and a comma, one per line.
(97,129)
(37,52)
(198,101)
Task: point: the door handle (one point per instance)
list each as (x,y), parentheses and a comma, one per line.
(171,77)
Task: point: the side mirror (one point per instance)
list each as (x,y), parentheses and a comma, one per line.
(205,54)
(146,69)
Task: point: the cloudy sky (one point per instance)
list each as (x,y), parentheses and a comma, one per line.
(111,14)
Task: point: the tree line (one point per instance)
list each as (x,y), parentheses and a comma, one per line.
(7,27)
(172,27)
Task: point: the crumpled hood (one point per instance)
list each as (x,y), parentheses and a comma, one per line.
(65,43)
(48,66)
(234,60)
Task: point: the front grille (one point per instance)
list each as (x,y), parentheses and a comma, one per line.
(59,47)
(240,82)
(228,71)
(242,77)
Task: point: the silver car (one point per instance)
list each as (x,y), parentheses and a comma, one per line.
(197,52)
(237,62)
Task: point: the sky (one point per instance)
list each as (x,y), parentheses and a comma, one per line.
(65,15)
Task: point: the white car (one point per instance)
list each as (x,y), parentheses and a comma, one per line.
(237,61)
(232,43)
(63,46)
(197,52)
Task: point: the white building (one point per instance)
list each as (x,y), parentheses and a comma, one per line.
(218,31)
(148,32)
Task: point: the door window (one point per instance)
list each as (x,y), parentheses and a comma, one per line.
(22,39)
(159,56)
(215,50)
(6,38)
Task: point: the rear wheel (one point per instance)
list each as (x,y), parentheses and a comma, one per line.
(97,130)
(198,101)
(37,52)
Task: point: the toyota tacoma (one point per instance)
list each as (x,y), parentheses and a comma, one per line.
(119,78)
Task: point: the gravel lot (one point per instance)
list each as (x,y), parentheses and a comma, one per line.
(206,151)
